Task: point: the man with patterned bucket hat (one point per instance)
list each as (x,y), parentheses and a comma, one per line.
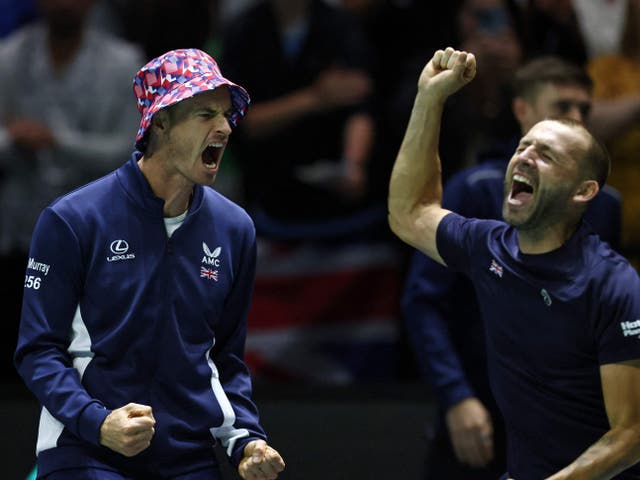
(136,295)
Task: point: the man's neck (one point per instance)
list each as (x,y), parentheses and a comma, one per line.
(63,49)
(173,189)
(544,240)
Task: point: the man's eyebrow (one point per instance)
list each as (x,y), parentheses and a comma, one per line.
(213,110)
(205,109)
(525,142)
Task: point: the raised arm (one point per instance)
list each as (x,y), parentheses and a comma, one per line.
(619,448)
(415,190)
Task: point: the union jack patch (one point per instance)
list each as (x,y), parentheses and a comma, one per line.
(208,273)
(496,268)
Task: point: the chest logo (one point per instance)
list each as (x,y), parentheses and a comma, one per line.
(210,262)
(211,258)
(209,273)
(120,250)
(496,268)
(546,298)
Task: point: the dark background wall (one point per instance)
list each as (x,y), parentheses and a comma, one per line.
(363,432)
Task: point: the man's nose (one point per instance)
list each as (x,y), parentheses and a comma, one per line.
(527,154)
(223,126)
(575,113)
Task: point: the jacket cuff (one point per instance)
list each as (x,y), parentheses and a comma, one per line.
(454,394)
(90,421)
(238,451)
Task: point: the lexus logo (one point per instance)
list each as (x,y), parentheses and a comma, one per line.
(119,247)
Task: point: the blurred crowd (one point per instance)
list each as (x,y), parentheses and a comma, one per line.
(338,299)
(332,83)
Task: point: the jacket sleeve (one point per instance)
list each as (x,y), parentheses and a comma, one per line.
(52,289)
(228,356)
(424,312)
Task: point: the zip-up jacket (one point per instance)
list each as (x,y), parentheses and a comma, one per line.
(116,311)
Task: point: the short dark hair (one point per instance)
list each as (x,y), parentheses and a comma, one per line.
(596,158)
(540,71)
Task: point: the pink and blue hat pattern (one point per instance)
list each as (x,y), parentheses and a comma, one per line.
(176,76)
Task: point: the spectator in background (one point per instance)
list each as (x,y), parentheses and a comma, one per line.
(229,9)
(325,307)
(551,27)
(65,119)
(440,310)
(603,36)
(487,28)
(601,24)
(160,25)
(15,13)
(397,35)
(305,147)
(616,117)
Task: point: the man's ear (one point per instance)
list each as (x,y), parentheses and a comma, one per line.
(520,108)
(160,120)
(586,191)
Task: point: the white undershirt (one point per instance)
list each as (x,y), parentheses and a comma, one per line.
(173,223)
(602,24)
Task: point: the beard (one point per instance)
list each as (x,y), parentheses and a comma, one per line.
(549,208)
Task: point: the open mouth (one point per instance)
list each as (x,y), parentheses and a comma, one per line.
(211,155)
(521,190)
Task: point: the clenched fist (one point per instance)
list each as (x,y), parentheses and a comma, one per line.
(260,462)
(447,72)
(128,430)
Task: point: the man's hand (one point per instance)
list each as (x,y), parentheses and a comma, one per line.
(339,87)
(30,134)
(260,462)
(447,72)
(128,430)
(471,432)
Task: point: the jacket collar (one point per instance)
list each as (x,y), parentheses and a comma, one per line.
(139,191)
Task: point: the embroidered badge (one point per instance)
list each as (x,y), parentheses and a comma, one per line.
(546,297)
(208,273)
(496,268)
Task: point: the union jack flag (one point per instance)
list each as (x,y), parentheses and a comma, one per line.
(496,268)
(324,313)
(208,273)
